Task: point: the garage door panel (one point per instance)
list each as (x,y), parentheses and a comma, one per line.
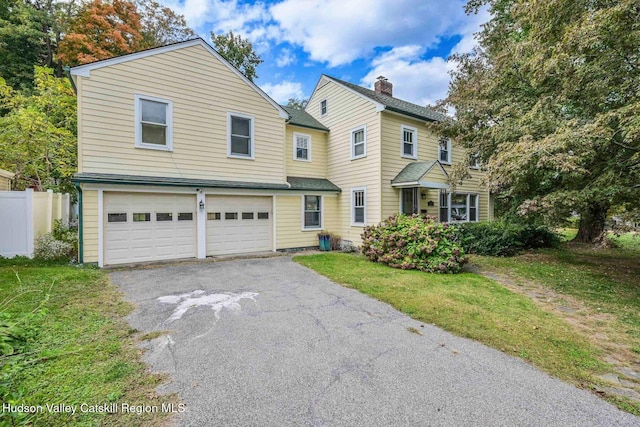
(227,235)
(136,241)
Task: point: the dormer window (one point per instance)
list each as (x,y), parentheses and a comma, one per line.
(445,151)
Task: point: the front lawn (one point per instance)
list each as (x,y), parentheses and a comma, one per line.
(479,308)
(78,348)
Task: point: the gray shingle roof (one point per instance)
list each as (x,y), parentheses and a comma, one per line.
(294,183)
(395,104)
(413,172)
(312,184)
(304,119)
(105,178)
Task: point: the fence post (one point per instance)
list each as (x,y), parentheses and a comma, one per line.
(66,208)
(30,221)
(49,212)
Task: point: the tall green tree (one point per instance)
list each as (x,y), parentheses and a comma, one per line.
(297,103)
(551,102)
(161,25)
(239,52)
(38,134)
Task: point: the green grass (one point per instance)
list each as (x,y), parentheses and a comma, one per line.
(470,306)
(79,350)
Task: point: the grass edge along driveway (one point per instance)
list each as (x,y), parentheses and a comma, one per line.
(78,349)
(478,308)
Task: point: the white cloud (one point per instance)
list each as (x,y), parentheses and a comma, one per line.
(339,31)
(414,79)
(281,92)
(472,26)
(285,58)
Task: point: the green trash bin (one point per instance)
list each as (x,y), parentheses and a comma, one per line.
(324,241)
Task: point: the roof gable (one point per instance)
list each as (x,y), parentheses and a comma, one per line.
(85,70)
(415,172)
(304,119)
(385,102)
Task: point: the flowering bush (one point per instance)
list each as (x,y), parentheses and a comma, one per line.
(414,243)
(49,248)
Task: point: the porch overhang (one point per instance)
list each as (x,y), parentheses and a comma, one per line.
(429,174)
(423,184)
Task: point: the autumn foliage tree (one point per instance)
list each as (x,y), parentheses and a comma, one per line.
(102,30)
(550,100)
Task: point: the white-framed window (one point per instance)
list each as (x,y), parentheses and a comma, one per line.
(323,107)
(358,206)
(445,151)
(474,161)
(463,207)
(311,212)
(240,131)
(154,123)
(409,142)
(359,142)
(301,147)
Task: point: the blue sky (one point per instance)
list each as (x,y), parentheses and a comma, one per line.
(407,41)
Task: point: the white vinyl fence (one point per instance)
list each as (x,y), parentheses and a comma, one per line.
(27,215)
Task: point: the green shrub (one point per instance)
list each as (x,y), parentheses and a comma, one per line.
(414,243)
(501,238)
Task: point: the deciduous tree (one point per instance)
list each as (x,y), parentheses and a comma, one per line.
(38,134)
(551,102)
(161,25)
(239,52)
(102,30)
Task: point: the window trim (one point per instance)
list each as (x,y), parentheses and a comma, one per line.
(353,207)
(468,206)
(404,128)
(314,228)
(326,107)
(364,142)
(476,165)
(138,122)
(252,144)
(295,146)
(449,154)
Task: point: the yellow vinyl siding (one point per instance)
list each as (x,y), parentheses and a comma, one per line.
(5,184)
(203,91)
(90,225)
(428,149)
(347,111)
(317,167)
(289,221)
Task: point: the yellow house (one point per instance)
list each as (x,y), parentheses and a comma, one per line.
(5,180)
(181,156)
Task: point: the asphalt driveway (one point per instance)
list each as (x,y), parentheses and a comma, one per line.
(268,342)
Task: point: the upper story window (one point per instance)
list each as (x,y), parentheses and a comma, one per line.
(154,123)
(240,129)
(358,206)
(474,161)
(445,150)
(301,147)
(358,142)
(409,142)
(323,107)
(312,219)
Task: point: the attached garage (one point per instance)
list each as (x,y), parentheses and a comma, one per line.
(148,227)
(239,224)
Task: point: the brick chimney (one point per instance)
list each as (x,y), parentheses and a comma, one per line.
(383,86)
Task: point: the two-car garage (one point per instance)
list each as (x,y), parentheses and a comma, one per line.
(140,227)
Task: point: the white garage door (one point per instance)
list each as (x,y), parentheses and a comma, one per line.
(238,224)
(148,227)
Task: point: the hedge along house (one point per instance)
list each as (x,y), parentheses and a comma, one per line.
(181,156)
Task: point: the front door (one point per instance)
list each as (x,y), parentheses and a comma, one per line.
(410,201)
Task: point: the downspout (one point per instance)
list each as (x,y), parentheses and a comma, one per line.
(67,71)
(80,236)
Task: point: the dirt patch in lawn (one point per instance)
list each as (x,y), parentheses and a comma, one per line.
(599,327)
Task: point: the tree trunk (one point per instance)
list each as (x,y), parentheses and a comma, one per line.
(592,222)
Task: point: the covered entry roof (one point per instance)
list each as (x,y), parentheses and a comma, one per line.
(428,174)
